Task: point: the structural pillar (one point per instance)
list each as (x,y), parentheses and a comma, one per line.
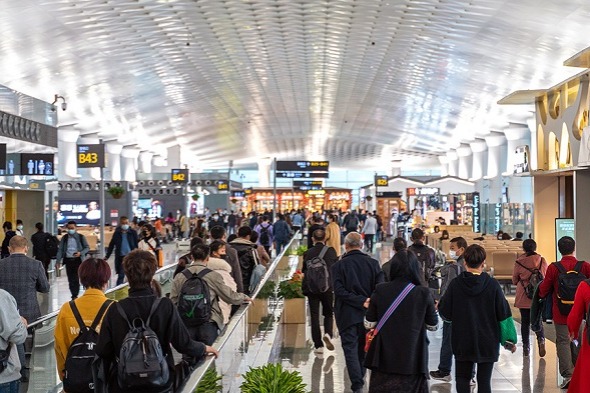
(453,163)
(129,157)
(478,149)
(264,173)
(516,135)
(66,153)
(465,161)
(496,155)
(145,161)
(113,152)
(444,165)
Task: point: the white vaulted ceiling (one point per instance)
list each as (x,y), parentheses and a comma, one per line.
(357,82)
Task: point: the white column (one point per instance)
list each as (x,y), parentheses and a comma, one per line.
(516,135)
(465,161)
(478,148)
(90,173)
(113,151)
(66,153)
(396,168)
(145,161)
(129,163)
(444,165)
(264,166)
(496,166)
(453,163)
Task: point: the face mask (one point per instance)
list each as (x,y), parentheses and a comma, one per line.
(215,217)
(453,254)
(223,256)
(124,227)
(71,231)
(19,227)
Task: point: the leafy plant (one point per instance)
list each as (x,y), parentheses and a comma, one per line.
(195,197)
(272,378)
(301,250)
(116,191)
(291,288)
(210,382)
(267,290)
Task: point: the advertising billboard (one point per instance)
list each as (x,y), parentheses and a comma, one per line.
(84,212)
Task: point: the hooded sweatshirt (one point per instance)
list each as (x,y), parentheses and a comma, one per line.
(476,306)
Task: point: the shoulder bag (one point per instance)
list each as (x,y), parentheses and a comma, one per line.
(373,332)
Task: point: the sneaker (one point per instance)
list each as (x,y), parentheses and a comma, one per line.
(319,351)
(541,344)
(472,382)
(565,384)
(328,342)
(526,351)
(440,376)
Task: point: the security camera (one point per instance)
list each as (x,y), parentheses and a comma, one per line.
(64,106)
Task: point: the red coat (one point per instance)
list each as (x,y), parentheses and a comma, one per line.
(521,276)
(550,284)
(580,382)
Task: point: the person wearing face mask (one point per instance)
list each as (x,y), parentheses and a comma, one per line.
(448,272)
(217,262)
(72,249)
(8,234)
(149,241)
(123,242)
(20,228)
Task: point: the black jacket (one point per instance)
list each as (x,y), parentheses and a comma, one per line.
(330,257)
(310,232)
(354,278)
(118,238)
(236,270)
(475,304)
(7,236)
(39,241)
(165,322)
(426,257)
(404,332)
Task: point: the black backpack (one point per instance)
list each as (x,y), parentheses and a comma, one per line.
(51,245)
(264,235)
(426,259)
(568,282)
(534,280)
(77,378)
(352,224)
(194,302)
(317,277)
(141,363)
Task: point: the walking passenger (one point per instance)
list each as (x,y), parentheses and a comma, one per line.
(40,241)
(426,255)
(282,233)
(265,234)
(8,234)
(333,234)
(73,247)
(12,334)
(354,278)
(370,227)
(580,382)
(124,241)
(399,244)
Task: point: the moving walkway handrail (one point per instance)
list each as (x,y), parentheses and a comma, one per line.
(196,376)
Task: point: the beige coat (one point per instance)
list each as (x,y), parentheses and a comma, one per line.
(333,237)
(224,269)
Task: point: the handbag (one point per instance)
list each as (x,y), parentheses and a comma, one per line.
(373,332)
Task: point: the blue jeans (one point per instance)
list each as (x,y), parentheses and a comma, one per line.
(446,350)
(10,387)
(353,344)
(281,244)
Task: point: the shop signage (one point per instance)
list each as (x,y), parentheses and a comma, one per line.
(91,156)
(303,175)
(303,166)
(308,188)
(389,194)
(238,194)
(381,181)
(248,191)
(476,212)
(308,183)
(222,185)
(419,191)
(563,227)
(3,156)
(180,176)
(522,159)
(497,217)
(36,164)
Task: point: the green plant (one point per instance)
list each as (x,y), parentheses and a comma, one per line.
(291,288)
(301,250)
(195,197)
(267,290)
(210,382)
(116,191)
(272,378)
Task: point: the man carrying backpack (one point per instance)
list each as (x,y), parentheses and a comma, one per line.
(196,291)
(45,246)
(562,279)
(265,232)
(317,286)
(426,255)
(350,223)
(247,255)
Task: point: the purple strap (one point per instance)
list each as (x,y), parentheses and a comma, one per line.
(393,306)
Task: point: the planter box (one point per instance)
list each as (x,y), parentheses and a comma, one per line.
(294,336)
(257,310)
(283,263)
(300,262)
(294,311)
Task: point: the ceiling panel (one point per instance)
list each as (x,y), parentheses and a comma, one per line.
(357,82)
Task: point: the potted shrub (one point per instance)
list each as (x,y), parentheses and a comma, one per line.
(195,197)
(210,382)
(116,191)
(300,251)
(272,378)
(294,300)
(234,201)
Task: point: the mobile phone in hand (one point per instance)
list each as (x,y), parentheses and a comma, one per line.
(510,346)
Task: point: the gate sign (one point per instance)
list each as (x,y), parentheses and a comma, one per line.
(381,181)
(91,156)
(476,212)
(180,176)
(222,185)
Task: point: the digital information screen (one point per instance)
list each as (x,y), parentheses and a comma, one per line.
(303,166)
(308,183)
(3,156)
(84,212)
(180,176)
(222,185)
(91,156)
(303,175)
(36,164)
(563,227)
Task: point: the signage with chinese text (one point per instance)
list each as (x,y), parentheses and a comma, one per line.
(419,191)
(389,194)
(476,212)
(91,156)
(308,183)
(303,166)
(180,176)
(303,175)
(564,227)
(497,217)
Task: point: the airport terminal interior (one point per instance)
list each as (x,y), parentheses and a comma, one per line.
(421,120)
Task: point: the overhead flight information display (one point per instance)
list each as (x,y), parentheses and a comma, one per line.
(303,166)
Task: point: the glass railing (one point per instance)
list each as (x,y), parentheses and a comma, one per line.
(243,342)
